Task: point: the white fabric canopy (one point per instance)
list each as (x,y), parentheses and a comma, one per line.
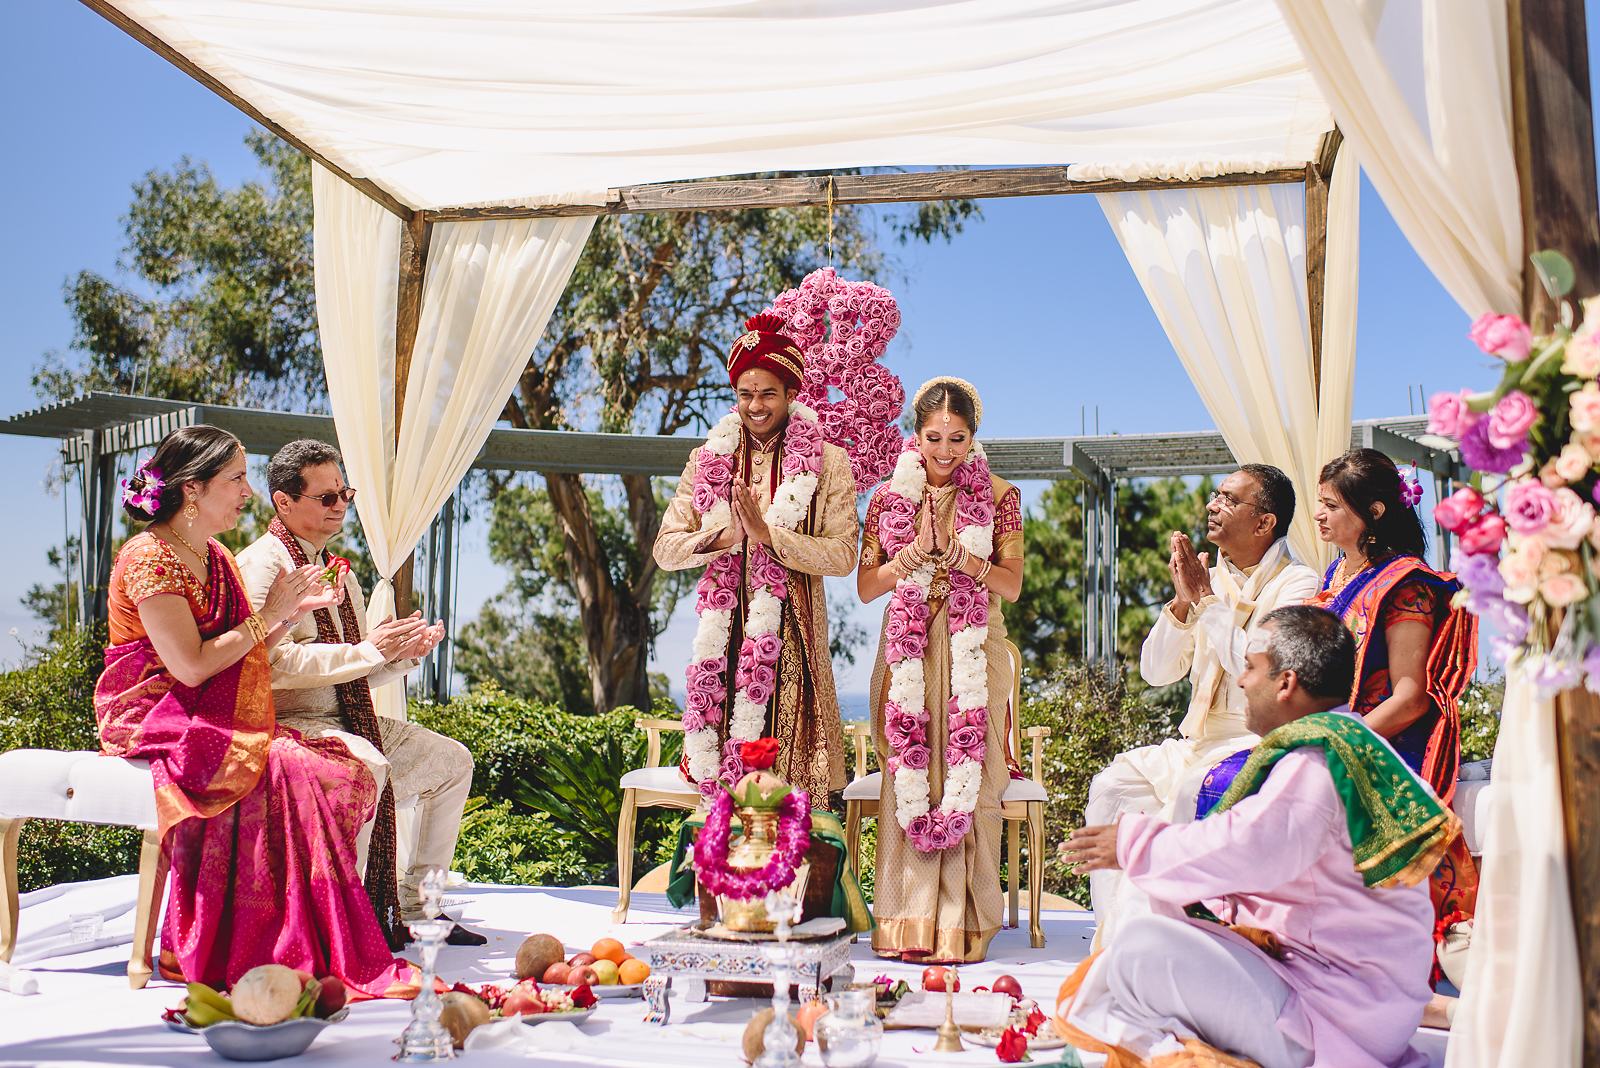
(1225,270)
(488,290)
(1445,165)
(505,101)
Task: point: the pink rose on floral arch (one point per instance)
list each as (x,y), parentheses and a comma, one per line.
(1511,419)
(1449,415)
(1505,336)
(1457,510)
(1529,507)
(1484,534)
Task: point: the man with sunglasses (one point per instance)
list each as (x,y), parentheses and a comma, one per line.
(323,672)
(1201,634)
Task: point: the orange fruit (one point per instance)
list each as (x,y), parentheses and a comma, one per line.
(633,971)
(609,949)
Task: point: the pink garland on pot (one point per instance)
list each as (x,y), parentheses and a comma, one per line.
(711,849)
(843,328)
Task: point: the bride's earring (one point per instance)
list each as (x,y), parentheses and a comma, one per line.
(190,512)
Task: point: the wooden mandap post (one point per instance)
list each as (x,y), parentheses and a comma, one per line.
(414,234)
(1554,133)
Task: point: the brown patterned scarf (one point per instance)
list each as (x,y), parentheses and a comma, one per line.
(355,707)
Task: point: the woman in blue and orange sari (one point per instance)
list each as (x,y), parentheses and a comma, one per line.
(1415,651)
(258,825)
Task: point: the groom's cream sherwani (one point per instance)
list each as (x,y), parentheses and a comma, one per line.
(1209,648)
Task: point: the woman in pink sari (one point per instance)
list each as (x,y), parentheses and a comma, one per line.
(258,825)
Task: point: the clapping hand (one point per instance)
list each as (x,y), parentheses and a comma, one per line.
(423,642)
(393,636)
(294,593)
(1191,574)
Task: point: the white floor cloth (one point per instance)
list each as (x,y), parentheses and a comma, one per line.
(85,1013)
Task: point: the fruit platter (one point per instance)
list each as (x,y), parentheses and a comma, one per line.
(466,1008)
(270,1013)
(606,967)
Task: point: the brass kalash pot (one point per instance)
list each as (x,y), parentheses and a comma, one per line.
(755,848)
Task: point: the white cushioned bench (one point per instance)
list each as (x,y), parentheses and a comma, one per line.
(49,784)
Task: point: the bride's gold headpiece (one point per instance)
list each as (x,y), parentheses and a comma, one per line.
(960,383)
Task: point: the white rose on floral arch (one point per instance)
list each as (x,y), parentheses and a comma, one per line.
(1570,522)
(1560,591)
(1520,569)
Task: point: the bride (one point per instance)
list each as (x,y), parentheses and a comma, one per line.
(946,537)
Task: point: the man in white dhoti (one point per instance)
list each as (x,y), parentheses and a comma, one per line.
(1311,941)
(1202,633)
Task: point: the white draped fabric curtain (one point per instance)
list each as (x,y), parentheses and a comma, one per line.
(1225,270)
(1445,165)
(488,290)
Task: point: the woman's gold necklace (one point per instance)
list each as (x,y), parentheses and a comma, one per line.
(205,560)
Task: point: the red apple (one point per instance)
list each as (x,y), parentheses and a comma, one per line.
(332,996)
(556,974)
(583,975)
(934,978)
(1007,985)
(580,959)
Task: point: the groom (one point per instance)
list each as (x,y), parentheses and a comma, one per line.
(766,370)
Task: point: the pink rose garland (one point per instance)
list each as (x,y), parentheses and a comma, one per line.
(906,638)
(717,597)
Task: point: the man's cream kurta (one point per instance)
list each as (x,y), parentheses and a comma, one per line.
(804,714)
(1209,648)
(427,770)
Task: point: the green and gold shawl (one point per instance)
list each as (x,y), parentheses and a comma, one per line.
(1398,828)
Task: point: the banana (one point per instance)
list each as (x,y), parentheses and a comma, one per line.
(204,1006)
(308,999)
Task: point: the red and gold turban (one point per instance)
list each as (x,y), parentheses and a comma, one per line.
(764,346)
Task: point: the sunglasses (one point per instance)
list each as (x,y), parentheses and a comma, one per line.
(328,500)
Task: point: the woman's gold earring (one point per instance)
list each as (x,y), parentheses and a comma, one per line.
(190,512)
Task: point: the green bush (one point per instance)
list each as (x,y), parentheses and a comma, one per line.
(1480,717)
(540,763)
(1092,717)
(48,703)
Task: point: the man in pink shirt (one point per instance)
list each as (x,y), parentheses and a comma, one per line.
(1315,862)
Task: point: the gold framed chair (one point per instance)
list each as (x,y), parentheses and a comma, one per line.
(1021,805)
(651,786)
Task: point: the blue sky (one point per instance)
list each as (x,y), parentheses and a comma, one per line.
(1035,303)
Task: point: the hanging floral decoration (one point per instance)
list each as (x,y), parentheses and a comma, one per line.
(843,328)
(1528,546)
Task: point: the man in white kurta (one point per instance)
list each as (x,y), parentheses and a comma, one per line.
(429,773)
(1315,968)
(1202,633)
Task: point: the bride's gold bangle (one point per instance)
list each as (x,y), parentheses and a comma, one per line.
(257,627)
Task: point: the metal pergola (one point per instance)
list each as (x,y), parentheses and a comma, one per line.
(97,429)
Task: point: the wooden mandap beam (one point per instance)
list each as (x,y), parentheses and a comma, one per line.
(1554,136)
(738,194)
(106,10)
